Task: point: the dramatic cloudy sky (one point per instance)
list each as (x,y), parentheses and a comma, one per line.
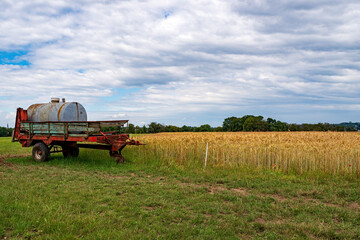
(183,62)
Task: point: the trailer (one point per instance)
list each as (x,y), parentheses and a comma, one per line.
(48,137)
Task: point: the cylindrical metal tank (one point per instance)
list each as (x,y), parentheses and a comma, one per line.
(57,111)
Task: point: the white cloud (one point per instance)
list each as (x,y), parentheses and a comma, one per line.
(10,116)
(119,115)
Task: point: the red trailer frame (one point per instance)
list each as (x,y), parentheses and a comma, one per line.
(46,137)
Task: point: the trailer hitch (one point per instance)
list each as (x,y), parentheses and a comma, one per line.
(117,155)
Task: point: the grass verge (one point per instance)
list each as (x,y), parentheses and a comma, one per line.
(91,197)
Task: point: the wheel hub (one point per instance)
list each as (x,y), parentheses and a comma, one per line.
(39,154)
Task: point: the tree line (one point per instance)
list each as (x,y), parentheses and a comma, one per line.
(351,124)
(155,127)
(5,132)
(247,123)
(250,123)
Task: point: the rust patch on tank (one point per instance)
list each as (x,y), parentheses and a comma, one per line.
(33,109)
(77,110)
(58,114)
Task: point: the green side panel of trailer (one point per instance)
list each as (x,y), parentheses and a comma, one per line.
(53,128)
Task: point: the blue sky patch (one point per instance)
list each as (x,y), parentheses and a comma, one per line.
(14,58)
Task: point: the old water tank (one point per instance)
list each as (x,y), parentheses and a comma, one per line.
(57,111)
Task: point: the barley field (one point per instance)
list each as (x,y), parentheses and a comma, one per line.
(329,153)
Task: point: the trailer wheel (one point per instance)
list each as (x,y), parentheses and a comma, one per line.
(40,152)
(71,151)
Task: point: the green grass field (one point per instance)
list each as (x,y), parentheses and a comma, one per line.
(91,197)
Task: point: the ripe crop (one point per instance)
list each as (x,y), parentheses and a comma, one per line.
(330,153)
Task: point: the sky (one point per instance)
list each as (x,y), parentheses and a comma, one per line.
(183,62)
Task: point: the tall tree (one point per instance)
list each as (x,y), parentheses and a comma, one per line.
(131,128)
(253,123)
(227,123)
(155,127)
(204,128)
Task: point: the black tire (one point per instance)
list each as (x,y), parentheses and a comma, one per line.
(40,152)
(71,151)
